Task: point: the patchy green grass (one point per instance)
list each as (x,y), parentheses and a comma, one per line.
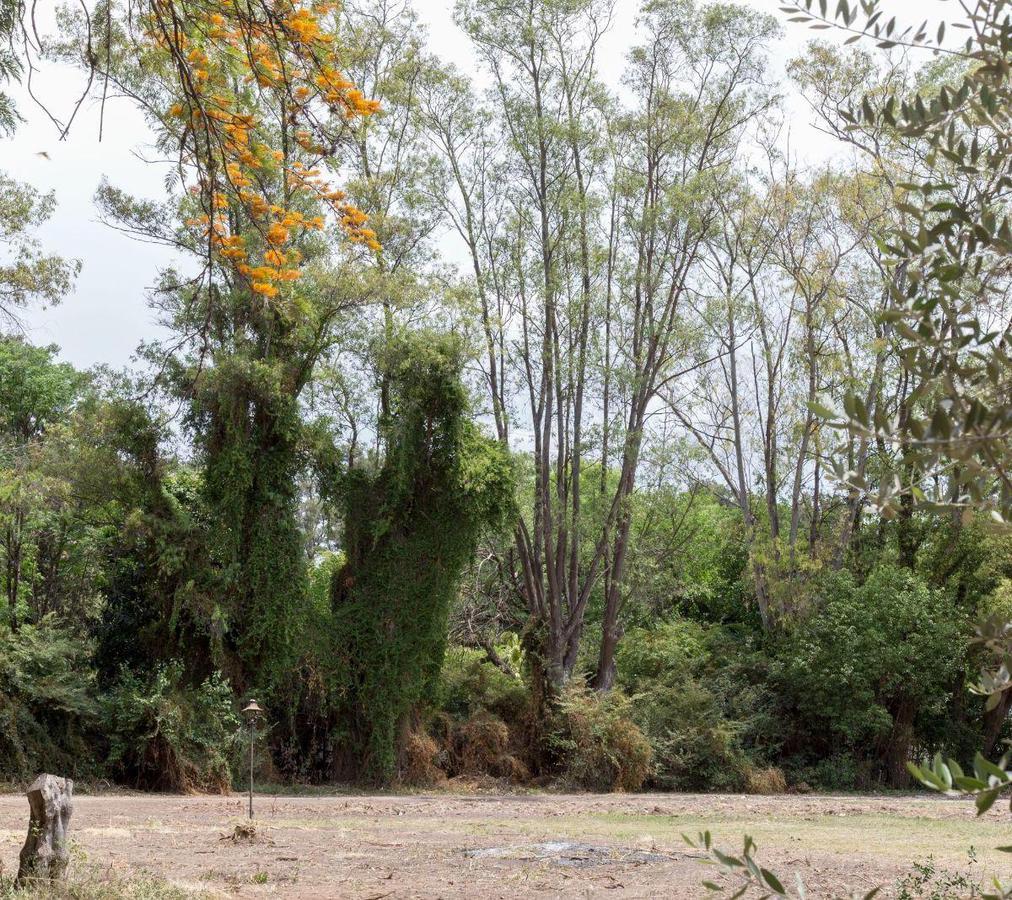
(890,837)
(94,885)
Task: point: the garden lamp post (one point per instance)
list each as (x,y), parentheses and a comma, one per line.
(252,712)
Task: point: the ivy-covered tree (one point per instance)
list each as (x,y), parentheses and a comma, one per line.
(259,304)
(410,529)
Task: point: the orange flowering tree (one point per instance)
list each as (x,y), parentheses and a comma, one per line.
(250,102)
(251,99)
(262,101)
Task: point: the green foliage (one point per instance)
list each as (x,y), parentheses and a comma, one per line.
(38,391)
(308,737)
(945,257)
(747,873)
(10,63)
(482,723)
(689,557)
(695,742)
(469,684)
(150,539)
(248,425)
(320,576)
(166,735)
(598,745)
(47,701)
(27,273)
(39,532)
(870,662)
(410,529)
(926,882)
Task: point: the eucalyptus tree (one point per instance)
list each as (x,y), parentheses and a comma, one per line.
(28,274)
(470,153)
(699,85)
(947,254)
(584,219)
(722,406)
(772,290)
(537,163)
(389,173)
(10,63)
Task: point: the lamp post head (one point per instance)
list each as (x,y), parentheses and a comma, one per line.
(252,712)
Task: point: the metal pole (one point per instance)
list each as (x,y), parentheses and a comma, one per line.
(252,731)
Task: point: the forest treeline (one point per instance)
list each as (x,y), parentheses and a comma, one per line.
(511,458)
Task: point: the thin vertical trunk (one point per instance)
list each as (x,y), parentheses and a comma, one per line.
(609,283)
(743,493)
(813,530)
(807,431)
(13,548)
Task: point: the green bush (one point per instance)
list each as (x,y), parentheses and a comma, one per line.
(164,735)
(695,745)
(483,717)
(926,881)
(871,667)
(469,684)
(597,743)
(839,772)
(47,704)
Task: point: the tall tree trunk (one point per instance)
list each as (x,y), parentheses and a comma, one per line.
(897,749)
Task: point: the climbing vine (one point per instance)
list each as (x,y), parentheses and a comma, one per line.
(410,529)
(249,428)
(252,98)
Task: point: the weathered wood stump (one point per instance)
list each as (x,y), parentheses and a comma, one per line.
(47,850)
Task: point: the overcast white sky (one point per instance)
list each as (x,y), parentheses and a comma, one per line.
(107,315)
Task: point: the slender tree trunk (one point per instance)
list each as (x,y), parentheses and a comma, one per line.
(13,546)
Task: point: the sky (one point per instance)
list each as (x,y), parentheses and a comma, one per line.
(107,315)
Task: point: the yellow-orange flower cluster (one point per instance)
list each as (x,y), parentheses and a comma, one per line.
(283,50)
(349,217)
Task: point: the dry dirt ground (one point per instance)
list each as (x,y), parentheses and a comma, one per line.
(482,846)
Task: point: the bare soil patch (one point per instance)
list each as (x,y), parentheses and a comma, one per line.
(540,845)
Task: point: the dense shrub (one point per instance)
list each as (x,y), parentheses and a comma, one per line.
(696,745)
(837,772)
(47,705)
(598,745)
(485,746)
(483,722)
(873,661)
(167,736)
(469,684)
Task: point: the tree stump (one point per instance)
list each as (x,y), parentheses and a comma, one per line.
(46,852)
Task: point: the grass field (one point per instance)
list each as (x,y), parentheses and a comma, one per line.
(540,845)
